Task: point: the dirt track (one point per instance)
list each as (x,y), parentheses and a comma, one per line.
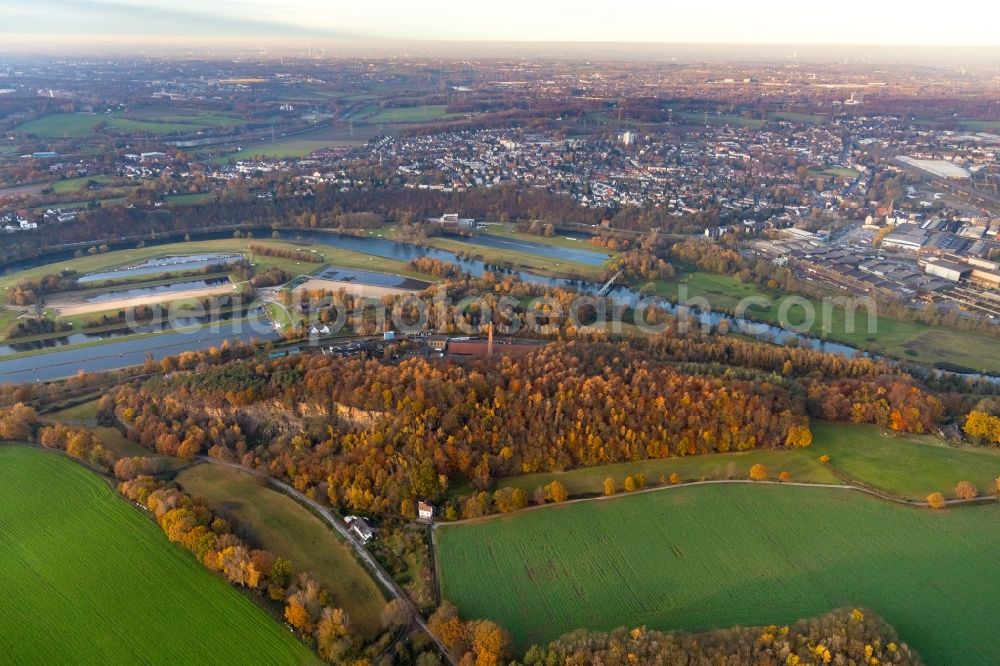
(362,290)
(69,308)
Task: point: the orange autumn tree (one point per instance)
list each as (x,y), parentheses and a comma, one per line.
(17,422)
(966,490)
(447,626)
(296,613)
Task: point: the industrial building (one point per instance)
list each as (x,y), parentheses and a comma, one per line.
(948,270)
(905,238)
(939,168)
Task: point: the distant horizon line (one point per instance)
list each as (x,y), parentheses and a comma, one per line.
(328,42)
(56,44)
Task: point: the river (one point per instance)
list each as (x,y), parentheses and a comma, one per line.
(113,355)
(66,362)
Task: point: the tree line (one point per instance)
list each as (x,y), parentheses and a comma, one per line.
(843,636)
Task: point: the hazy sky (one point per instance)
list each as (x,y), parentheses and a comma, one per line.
(711,21)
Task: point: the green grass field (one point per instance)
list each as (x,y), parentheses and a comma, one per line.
(84,203)
(901,339)
(803,465)
(910,466)
(693,558)
(907,466)
(85,412)
(836,172)
(74,184)
(410,114)
(58,125)
(194,199)
(303,144)
(87,579)
(568,240)
(280,524)
(149,121)
(795,117)
(182,117)
(720,119)
(529,261)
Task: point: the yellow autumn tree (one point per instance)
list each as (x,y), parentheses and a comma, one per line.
(333,639)
(609,486)
(759,472)
(982,427)
(556,492)
(936,501)
(489,642)
(799,437)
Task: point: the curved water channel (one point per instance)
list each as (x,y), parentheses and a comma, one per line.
(65,362)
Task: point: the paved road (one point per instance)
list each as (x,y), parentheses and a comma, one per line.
(369,562)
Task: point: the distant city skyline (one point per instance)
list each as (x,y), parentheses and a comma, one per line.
(849,22)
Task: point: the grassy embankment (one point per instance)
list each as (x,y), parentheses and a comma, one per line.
(281,525)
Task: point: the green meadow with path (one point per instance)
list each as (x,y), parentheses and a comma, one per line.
(698,557)
(80,561)
(902,465)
